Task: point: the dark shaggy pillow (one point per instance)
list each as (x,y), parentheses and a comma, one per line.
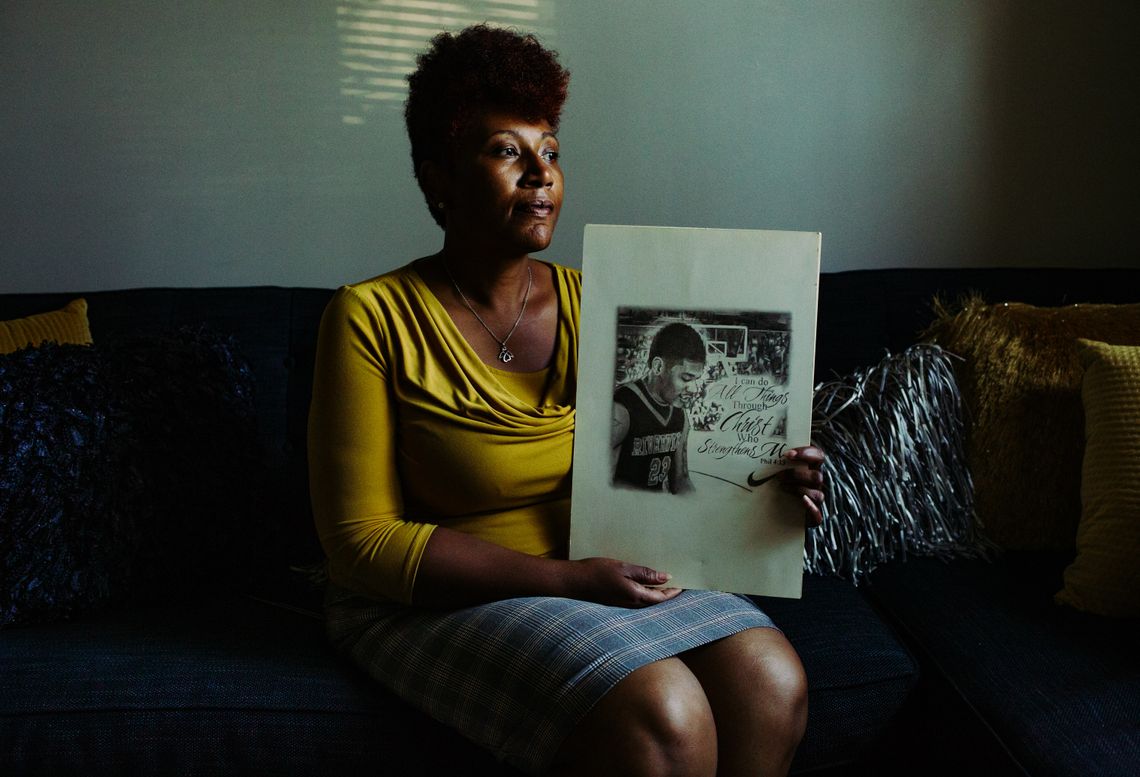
(66,531)
(897,480)
(127,470)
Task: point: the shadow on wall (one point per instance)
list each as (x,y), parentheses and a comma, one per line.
(1061,90)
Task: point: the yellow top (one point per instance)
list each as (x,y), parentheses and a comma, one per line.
(408,429)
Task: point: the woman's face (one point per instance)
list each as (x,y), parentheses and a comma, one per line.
(504,189)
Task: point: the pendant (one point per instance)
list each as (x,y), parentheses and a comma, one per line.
(504,354)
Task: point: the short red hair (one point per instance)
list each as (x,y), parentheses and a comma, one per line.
(480,68)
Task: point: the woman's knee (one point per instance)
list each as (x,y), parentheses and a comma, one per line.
(757,674)
(781,679)
(657,721)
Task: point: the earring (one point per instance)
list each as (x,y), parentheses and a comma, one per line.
(439,205)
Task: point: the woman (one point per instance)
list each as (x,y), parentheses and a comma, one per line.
(440,442)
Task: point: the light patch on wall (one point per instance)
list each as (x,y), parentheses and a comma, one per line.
(379,41)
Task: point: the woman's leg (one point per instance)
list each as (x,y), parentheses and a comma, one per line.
(755,684)
(657,721)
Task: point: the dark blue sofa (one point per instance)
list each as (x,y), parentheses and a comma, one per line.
(931,669)
(1011,682)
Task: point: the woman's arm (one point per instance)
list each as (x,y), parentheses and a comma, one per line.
(454,562)
(357,500)
(457,569)
(358,504)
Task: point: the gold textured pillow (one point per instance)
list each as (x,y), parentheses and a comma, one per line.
(67,326)
(1020,381)
(1105,576)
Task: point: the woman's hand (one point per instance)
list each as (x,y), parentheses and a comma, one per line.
(805,479)
(458,570)
(617,583)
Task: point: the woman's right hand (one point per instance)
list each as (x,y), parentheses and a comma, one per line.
(618,583)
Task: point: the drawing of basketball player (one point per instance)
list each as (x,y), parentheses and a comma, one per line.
(650,429)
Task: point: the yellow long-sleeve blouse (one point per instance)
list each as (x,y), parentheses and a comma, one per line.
(409,430)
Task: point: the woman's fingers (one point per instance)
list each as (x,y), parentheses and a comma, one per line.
(810,455)
(805,478)
(813,516)
(648,585)
(614,582)
(802,478)
(658,595)
(649,582)
(645,575)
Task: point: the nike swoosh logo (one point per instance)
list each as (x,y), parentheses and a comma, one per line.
(755,481)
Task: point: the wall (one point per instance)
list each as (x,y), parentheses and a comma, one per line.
(223,143)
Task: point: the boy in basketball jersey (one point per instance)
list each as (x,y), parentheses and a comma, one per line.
(650,428)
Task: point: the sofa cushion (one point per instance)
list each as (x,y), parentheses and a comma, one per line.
(241,685)
(1021,380)
(1105,576)
(67,326)
(230,685)
(1059,689)
(859,674)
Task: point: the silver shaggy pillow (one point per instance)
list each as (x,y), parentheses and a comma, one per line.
(897,478)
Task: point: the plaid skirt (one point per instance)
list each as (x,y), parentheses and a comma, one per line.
(516,676)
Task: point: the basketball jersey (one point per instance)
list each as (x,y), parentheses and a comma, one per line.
(648,454)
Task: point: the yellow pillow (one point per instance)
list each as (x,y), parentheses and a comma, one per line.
(67,326)
(1105,576)
(1021,383)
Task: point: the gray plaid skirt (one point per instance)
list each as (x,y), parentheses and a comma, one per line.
(515,676)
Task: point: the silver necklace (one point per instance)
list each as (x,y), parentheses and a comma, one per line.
(505,354)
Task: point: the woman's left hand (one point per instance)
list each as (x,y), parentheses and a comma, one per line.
(805,479)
